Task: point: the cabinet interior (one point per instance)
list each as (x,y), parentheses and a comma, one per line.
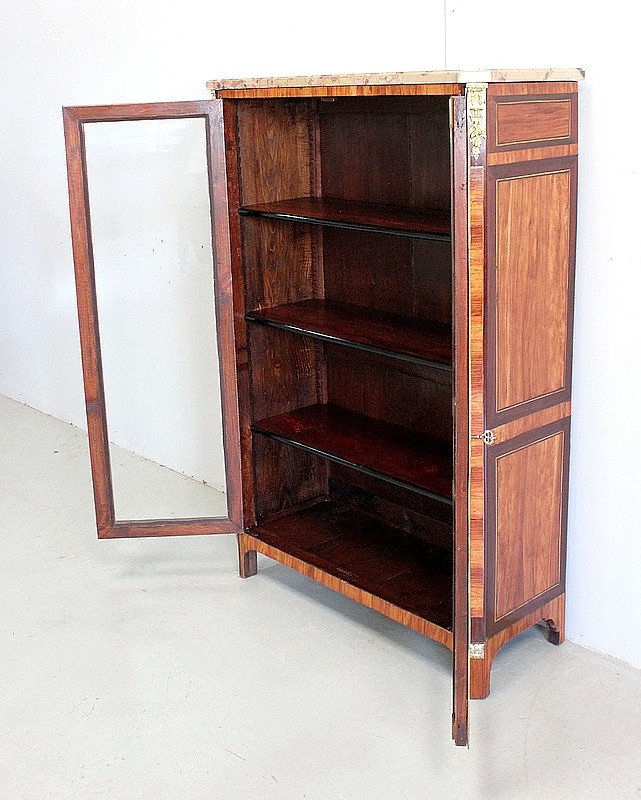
(347,270)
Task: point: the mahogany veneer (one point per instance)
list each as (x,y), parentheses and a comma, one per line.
(395,454)
(407,338)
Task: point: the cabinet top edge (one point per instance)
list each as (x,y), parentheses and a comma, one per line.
(403,78)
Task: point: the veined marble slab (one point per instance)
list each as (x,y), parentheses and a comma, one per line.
(403,78)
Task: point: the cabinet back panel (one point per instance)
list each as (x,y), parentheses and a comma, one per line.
(395,274)
(385,154)
(388,492)
(371,385)
(415,524)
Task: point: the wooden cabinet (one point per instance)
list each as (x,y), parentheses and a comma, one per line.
(394,290)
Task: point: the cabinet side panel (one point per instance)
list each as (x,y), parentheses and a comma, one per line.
(531,236)
(530,270)
(532,214)
(277,143)
(527,517)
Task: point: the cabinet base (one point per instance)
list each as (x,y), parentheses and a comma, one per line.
(553,613)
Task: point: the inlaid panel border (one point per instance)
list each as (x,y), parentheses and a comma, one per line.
(494,454)
(493,103)
(496,174)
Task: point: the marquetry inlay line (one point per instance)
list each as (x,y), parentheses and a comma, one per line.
(497,250)
(509,430)
(530,154)
(509,142)
(496,527)
(476,115)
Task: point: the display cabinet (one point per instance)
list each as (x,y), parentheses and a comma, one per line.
(393,272)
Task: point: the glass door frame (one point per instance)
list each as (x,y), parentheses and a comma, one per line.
(75,119)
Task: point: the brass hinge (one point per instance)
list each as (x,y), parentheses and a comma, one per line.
(451,112)
(489,437)
(477,650)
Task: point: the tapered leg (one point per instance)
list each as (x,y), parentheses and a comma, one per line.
(480,676)
(247,559)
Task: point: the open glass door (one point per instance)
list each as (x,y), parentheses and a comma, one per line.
(149,223)
(461,313)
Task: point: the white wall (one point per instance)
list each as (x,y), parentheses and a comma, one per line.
(604,539)
(72,52)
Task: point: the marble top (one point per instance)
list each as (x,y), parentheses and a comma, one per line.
(402,78)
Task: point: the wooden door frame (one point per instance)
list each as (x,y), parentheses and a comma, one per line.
(75,118)
(461,413)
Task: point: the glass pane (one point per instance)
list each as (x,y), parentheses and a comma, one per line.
(151,230)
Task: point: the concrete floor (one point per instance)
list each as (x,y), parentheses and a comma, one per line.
(149,670)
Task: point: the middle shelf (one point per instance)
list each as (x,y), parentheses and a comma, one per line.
(393,453)
(364,328)
(421,223)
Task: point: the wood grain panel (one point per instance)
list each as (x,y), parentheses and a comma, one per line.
(358,150)
(536,420)
(383,491)
(528,524)
(389,273)
(230,119)
(286,476)
(276,152)
(393,509)
(529,121)
(531,227)
(461,411)
(532,88)
(532,217)
(387,153)
(527,520)
(476,261)
(426,89)
(279,265)
(371,385)
(277,157)
(532,154)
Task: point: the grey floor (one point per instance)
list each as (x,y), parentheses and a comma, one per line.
(149,670)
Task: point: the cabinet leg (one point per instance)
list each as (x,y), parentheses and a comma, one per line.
(555,618)
(247,559)
(480,676)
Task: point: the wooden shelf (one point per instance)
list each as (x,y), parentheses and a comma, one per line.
(380,218)
(356,326)
(396,454)
(368,555)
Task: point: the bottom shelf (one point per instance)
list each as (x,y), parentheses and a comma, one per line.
(366,554)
